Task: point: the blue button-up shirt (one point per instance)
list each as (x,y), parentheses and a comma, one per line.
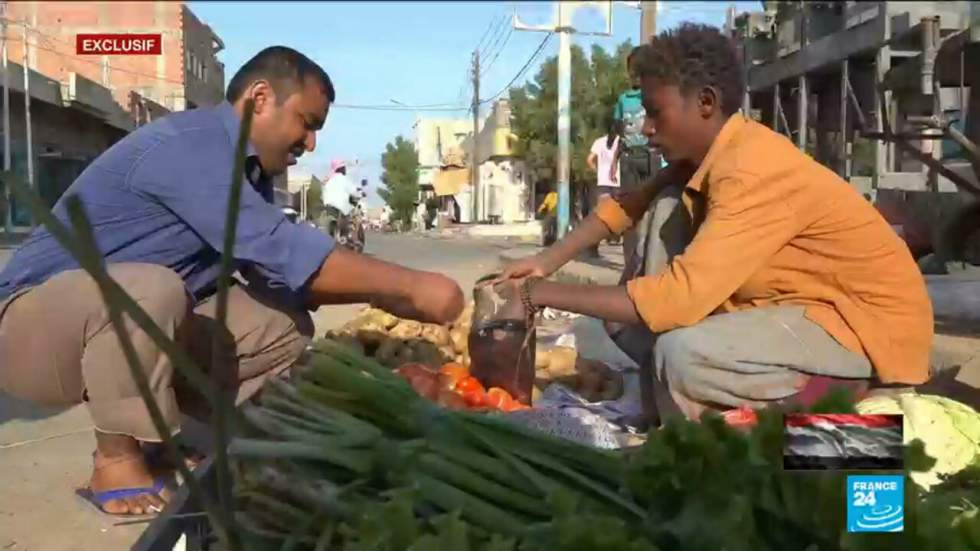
(160,195)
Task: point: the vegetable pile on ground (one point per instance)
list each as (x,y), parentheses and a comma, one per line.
(397,343)
(394,342)
(453,387)
(348,456)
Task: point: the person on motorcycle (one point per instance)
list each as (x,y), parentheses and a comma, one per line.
(339,196)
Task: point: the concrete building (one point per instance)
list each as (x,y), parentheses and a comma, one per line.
(186,75)
(82,104)
(434,139)
(507,195)
(445,152)
(833,76)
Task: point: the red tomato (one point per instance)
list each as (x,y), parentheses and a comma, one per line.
(742,417)
(426,386)
(474,398)
(411,370)
(451,374)
(451,400)
(499,398)
(469,384)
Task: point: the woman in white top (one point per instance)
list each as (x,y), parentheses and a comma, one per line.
(602,159)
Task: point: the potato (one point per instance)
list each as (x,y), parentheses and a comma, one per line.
(436,334)
(447,353)
(388,351)
(371,336)
(542,358)
(387,320)
(458,339)
(612,387)
(427,353)
(562,361)
(406,330)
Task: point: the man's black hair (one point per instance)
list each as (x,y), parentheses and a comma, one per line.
(692,57)
(284,68)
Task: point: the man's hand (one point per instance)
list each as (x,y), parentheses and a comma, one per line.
(433,299)
(347,277)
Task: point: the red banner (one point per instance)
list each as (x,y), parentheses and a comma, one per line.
(119,44)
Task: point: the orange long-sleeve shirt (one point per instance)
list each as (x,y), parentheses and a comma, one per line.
(773,226)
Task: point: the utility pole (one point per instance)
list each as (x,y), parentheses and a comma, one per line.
(477,205)
(563,26)
(27,111)
(8,216)
(648,21)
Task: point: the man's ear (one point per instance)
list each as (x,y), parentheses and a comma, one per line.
(263,95)
(709,101)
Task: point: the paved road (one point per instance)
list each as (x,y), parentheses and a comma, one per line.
(44,454)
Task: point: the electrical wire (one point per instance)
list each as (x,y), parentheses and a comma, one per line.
(522,71)
(490,64)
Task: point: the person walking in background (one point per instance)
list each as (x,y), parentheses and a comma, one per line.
(602,160)
(548,214)
(634,158)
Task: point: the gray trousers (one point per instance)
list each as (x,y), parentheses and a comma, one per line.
(750,358)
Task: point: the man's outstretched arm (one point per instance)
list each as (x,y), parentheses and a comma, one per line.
(347,277)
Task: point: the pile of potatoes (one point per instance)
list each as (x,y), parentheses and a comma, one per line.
(591,379)
(394,341)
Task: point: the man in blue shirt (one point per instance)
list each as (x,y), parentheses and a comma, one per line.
(157,202)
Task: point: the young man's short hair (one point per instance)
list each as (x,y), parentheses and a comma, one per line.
(692,57)
(284,68)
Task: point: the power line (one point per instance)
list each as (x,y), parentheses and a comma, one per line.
(486,33)
(499,51)
(498,35)
(522,71)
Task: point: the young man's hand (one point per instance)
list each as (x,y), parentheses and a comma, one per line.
(532,266)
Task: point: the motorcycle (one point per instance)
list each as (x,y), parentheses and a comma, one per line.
(346,230)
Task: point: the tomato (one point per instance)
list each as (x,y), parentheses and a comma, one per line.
(469,384)
(514,405)
(451,374)
(499,398)
(411,370)
(742,417)
(455,370)
(426,386)
(475,398)
(451,400)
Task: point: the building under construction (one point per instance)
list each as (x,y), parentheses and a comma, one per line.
(879,92)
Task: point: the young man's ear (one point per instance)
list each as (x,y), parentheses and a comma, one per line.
(709,101)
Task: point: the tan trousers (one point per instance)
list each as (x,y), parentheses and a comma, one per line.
(58,347)
(747,358)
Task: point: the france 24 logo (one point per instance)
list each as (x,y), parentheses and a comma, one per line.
(875,503)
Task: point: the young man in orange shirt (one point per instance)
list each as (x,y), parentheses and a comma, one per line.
(763,270)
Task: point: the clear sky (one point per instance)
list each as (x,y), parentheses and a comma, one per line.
(415,53)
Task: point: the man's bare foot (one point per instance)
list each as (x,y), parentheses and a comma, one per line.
(119,464)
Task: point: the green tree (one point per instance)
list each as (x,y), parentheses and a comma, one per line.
(400,162)
(597,82)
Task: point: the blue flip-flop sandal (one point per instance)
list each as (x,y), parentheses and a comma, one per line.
(99,499)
